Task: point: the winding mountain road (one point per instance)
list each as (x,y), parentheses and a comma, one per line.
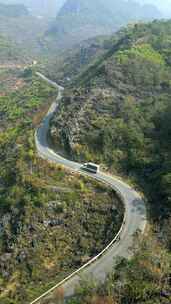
(135,210)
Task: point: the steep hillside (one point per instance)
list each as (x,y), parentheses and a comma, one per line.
(64,67)
(78,20)
(25,31)
(51,221)
(119,113)
(142,280)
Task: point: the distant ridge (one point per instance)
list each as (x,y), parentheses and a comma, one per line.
(13,10)
(45,8)
(80,19)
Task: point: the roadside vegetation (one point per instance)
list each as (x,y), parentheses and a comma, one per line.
(119,116)
(51,221)
(145,279)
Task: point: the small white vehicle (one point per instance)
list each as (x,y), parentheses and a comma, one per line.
(90,167)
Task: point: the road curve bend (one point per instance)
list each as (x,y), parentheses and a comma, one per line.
(135,211)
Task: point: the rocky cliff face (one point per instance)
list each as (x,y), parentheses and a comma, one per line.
(76,120)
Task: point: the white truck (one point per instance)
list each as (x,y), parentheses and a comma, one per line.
(90,167)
